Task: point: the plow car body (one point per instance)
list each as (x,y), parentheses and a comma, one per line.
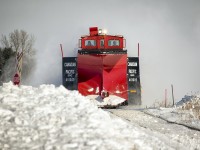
(102,70)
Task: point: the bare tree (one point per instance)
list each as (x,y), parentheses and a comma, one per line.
(5,41)
(19,41)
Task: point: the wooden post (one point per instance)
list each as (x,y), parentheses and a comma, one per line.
(172,94)
(61,50)
(18,73)
(165,98)
(138,50)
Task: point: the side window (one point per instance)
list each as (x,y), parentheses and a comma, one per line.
(90,43)
(113,43)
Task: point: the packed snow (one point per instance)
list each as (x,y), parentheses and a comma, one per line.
(185,112)
(50,117)
(177,126)
(174,135)
(112,100)
(54,118)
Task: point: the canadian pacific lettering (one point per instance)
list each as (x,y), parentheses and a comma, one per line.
(70,64)
(132,63)
(70,79)
(70,73)
(133,71)
(133,79)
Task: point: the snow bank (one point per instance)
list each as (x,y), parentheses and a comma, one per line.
(55,118)
(190,104)
(187,99)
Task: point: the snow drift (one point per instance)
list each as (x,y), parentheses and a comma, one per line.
(55,118)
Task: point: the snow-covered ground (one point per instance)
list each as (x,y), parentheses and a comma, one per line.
(185,112)
(55,118)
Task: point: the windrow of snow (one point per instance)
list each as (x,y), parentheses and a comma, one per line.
(55,118)
(192,104)
(188,99)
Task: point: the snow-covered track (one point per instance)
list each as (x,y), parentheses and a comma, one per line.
(171,133)
(173,122)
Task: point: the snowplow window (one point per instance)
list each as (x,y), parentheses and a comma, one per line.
(113,43)
(102,43)
(90,43)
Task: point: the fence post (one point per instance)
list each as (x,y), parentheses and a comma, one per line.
(172,94)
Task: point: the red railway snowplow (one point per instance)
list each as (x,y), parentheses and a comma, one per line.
(102,71)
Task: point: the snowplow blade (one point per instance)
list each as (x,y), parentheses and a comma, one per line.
(102,71)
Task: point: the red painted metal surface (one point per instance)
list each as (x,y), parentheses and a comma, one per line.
(97,72)
(89,74)
(114,74)
(93,31)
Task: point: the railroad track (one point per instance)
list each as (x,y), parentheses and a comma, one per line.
(158,126)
